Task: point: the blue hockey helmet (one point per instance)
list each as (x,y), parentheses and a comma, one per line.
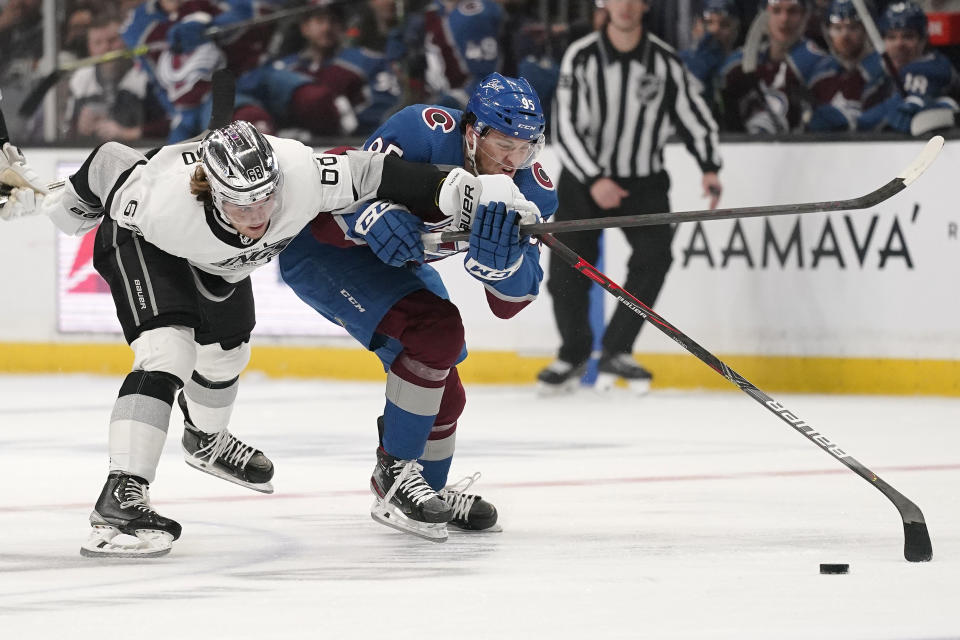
(842,11)
(803,3)
(512,107)
(904,15)
(723,7)
(509,105)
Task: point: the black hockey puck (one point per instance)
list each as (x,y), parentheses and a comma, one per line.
(834,568)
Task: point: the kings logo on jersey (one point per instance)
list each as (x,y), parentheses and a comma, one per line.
(258,256)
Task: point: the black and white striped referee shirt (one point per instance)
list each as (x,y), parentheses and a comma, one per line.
(614,111)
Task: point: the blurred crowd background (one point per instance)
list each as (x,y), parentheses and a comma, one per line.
(340,69)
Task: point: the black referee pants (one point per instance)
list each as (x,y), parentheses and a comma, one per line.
(646,269)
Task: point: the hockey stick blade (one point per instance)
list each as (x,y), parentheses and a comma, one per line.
(916,546)
(916,542)
(913,171)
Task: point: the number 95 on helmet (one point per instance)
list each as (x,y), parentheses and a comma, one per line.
(512,107)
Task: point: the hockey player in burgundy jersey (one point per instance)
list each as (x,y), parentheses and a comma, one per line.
(398,306)
(860,81)
(179,234)
(929,81)
(782,93)
(451,45)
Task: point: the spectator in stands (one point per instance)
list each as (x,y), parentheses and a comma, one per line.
(927,84)
(374,49)
(21,37)
(111,101)
(815,21)
(266,96)
(531,49)
(449,47)
(374,24)
(779,96)
(860,81)
(721,28)
(343,86)
(74,42)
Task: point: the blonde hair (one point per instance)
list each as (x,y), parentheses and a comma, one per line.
(200,186)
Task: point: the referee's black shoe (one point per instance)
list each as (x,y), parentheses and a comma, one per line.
(622,366)
(560,376)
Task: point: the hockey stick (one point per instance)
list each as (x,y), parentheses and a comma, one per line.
(873,34)
(751,45)
(919,164)
(223,90)
(916,546)
(36,95)
(223,95)
(4,135)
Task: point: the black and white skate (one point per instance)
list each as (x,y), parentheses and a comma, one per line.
(405,501)
(470,511)
(225,456)
(622,366)
(124,508)
(560,376)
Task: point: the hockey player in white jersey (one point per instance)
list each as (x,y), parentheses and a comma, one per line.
(179,233)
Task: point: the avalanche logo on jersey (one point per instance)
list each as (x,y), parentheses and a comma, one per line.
(540,175)
(438,119)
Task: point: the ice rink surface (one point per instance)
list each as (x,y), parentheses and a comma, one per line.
(677,515)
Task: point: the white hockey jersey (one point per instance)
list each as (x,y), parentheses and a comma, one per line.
(155,201)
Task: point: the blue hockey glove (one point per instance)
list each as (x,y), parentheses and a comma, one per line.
(186,36)
(392,233)
(902,112)
(495,251)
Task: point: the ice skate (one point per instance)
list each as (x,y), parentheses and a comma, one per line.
(224,455)
(622,366)
(470,512)
(559,377)
(124,509)
(405,501)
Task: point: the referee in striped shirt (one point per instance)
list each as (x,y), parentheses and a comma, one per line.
(622,92)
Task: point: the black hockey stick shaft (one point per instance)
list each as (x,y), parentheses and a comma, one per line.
(36,95)
(224,90)
(4,134)
(876,39)
(923,160)
(916,547)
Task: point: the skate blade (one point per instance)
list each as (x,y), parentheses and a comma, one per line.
(496,528)
(545,390)
(264,487)
(607,382)
(388,515)
(151,543)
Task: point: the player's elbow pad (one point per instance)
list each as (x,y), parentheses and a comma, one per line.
(69,213)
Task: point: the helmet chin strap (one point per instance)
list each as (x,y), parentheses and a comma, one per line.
(471,151)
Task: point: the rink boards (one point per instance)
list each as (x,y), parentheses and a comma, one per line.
(846,302)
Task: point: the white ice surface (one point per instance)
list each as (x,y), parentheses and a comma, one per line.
(679,515)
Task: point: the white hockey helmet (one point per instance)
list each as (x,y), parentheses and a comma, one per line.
(240,164)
